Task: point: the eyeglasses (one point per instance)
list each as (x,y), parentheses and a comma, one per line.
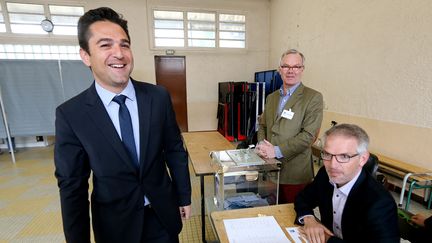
(294,68)
(341,158)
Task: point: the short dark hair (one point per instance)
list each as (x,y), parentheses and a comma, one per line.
(94,15)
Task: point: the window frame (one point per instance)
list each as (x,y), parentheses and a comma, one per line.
(186,47)
(36,38)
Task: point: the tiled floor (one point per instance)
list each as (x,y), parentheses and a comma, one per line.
(29,201)
(30,206)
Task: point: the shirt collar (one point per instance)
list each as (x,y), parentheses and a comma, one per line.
(107,96)
(345,189)
(290,90)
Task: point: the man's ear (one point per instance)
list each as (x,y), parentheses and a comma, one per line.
(85,57)
(364,158)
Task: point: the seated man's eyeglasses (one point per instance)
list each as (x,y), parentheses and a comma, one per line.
(294,68)
(341,158)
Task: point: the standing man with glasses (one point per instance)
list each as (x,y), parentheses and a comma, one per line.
(353,206)
(289,125)
(123,133)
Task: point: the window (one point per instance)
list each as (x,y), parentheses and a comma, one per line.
(65,19)
(168,28)
(232,31)
(25,18)
(50,52)
(201,29)
(192,29)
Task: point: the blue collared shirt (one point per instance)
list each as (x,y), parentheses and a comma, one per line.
(282,101)
(285,97)
(113,108)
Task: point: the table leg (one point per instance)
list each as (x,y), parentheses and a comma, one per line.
(203,228)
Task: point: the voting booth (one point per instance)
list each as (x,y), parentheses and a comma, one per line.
(244,180)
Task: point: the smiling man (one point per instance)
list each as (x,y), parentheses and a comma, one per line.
(353,206)
(125,134)
(289,125)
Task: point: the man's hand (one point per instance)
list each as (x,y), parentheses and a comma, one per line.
(185,212)
(265,149)
(314,231)
(419,219)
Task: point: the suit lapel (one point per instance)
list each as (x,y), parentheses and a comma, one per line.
(144,113)
(97,112)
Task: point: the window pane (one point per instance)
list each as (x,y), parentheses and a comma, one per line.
(232,26)
(64,20)
(168,15)
(1,18)
(28,48)
(66,10)
(169,33)
(202,34)
(168,24)
(201,16)
(25,8)
(19,48)
(169,42)
(27,29)
(232,44)
(28,55)
(201,43)
(9,48)
(26,18)
(65,30)
(63,49)
(232,35)
(194,25)
(232,18)
(10,55)
(2,28)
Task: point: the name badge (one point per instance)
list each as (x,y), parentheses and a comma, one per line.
(287,114)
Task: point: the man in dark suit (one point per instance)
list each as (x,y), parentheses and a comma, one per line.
(289,125)
(353,206)
(123,134)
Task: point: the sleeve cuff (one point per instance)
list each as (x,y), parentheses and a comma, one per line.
(301,219)
(278,152)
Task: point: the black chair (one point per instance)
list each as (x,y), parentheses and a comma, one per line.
(371,165)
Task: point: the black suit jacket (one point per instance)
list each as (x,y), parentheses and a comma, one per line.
(370,213)
(87,143)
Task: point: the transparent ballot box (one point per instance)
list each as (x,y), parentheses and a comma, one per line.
(244,180)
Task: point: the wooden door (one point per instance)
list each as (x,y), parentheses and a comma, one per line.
(171,73)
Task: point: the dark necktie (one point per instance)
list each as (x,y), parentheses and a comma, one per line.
(126,128)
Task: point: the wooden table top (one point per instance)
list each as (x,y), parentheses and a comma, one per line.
(199,145)
(283,213)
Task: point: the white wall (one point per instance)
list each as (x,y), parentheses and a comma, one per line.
(371,60)
(204,69)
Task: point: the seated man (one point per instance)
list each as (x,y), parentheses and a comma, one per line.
(353,206)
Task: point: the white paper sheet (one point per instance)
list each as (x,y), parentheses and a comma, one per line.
(254,230)
(295,235)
